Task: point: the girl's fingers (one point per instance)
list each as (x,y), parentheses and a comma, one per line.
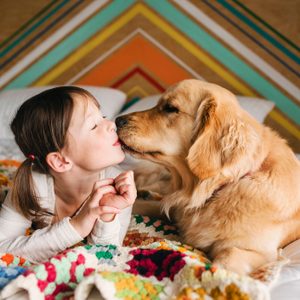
(126,174)
(103,182)
(128,193)
(105,189)
(99,192)
(124,181)
(124,188)
(102,209)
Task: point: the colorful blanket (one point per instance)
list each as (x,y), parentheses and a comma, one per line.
(151,264)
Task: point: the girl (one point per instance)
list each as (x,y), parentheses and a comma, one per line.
(63,189)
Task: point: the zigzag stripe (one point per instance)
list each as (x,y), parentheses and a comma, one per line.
(40,34)
(122,43)
(23,27)
(280,119)
(45,46)
(191,48)
(232,62)
(179,38)
(119,63)
(136,89)
(144,74)
(250,12)
(240,48)
(257,42)
(262,33)
(122,61)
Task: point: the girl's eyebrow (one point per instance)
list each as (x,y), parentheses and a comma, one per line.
(89,116)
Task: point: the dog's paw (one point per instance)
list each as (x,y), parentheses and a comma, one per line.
(235,267)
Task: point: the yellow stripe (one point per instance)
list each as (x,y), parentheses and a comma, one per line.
(184,42)
(136,90)
(279,118)
(119,23)
(85,49)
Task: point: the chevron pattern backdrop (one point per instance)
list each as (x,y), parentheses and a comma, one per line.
(142,47)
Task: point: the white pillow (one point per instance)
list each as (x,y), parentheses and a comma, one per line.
(111,101)
(258,108)
(142,104)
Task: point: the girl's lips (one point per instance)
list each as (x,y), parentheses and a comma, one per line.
(117,143)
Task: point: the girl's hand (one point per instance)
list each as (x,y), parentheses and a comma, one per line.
(125,186)
(84,221)
(125,192)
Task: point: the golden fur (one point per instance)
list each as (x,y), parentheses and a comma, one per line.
(235,181)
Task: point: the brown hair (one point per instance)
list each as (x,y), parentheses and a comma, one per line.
(40,127)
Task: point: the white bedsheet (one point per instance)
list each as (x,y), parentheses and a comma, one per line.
(287,286)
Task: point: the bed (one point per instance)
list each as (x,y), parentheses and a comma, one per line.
(152,262)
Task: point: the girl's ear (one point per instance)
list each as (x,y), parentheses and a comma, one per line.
(58,163)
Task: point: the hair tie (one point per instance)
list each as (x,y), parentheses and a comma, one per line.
(31,157)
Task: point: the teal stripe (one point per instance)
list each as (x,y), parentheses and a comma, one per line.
(130,103)
(250,12)
(69,44)
(8,39)
(31,29)
(263,33)
(226,57)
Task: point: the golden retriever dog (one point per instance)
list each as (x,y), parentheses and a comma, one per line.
(235,182)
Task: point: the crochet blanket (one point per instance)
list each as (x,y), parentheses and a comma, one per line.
(151,264)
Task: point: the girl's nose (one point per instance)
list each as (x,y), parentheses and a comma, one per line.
(112,126)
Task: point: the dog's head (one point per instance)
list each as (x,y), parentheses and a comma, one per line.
(195,121)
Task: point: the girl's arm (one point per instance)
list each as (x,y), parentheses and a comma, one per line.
(105,232)
(41,244)
(125,215)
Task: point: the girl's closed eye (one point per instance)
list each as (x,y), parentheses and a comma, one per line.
(96,125)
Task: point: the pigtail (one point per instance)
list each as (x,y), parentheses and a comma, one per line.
(23,194)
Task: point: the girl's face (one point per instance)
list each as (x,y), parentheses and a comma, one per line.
(93,143)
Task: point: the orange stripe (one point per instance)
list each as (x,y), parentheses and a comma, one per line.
(140,52)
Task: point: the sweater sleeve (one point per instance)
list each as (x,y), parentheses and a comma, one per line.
(42,244)
(105,232)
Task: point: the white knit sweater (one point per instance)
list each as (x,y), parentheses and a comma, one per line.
(44,243)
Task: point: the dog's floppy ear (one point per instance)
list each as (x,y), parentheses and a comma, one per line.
(203,140)
(204,115)
(220,138)
(224,149)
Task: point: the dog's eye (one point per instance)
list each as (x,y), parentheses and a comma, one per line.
(170,108)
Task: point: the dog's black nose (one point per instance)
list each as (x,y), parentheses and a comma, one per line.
(121,121)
